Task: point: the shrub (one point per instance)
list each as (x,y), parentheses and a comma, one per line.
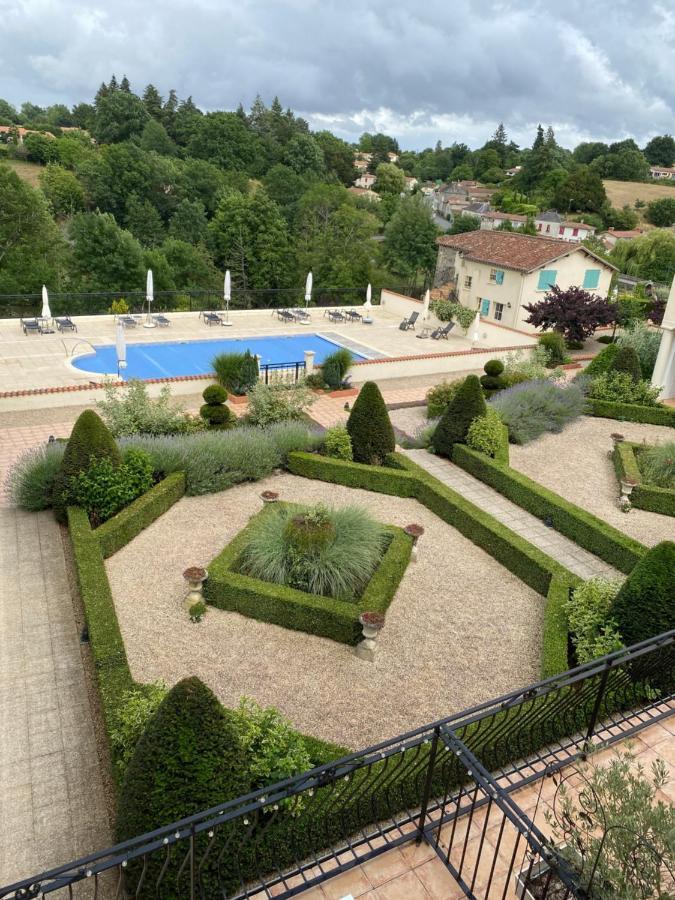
(337,443)
(594,631)
(523,365)
(605,339)
(485,433)
(272,403)
(30,481)
(272,749)
(189,755)
(626,360)
(553,343)
(329,552)
(657,465)
(468,404)
(130,410)
(214,411)
(119,307)
(103,489)
(89,439)
(644,606)
(619,387)
(439,397)
(602,362)
(336,366)
(492,381)
(446,310)
(535,407)
(493,367)
(248,374)
(197,611)
(135,709)
(315,380)
(645,341)
(369,427)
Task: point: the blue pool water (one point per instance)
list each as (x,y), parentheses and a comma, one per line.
(166,360)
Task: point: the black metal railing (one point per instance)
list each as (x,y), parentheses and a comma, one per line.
(282,373)
(300,832)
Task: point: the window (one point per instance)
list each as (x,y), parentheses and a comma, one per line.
(484,307)
(546,279)
(561,230)
(538,226)
(591,279)
(499,311)
(575,232)
(467,281)
(548,229)
(496,276)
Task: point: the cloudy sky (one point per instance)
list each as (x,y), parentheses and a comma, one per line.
(422,71)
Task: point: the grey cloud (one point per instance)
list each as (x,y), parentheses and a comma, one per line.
(438,69)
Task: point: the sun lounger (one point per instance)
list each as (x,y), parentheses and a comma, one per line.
(409,322)
(336,316)
(128,321)
(161,320)
(301,315)
(285,315)
(212,318)
(30,326)
(442,333)
(353,316)
(65,323)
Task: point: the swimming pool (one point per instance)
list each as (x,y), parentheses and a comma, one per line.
(167,360)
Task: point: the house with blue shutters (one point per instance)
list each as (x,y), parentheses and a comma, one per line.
(498,272)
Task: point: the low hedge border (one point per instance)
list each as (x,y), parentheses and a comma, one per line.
(555,640)
(226,588)
(407,479)
(631,412)
(502,454)
(118,531)
(582,527)
(649,497)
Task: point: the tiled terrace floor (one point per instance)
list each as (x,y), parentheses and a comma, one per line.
(414,872)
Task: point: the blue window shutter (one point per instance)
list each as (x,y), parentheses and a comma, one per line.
(499,277)
(546,279)
(591,278)
(484,307)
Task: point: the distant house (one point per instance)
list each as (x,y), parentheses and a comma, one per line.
(365,180)
(456,197)
(392,157)
(662,173)
(612,237)
(7,131)
(491,220)
(410,182)
(498,272)
(364,192)
(514,171)
(552,224)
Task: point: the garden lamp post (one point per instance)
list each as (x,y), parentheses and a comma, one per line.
(149,296)
(227,293)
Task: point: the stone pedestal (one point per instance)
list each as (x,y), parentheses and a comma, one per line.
(309,362)
(371,624)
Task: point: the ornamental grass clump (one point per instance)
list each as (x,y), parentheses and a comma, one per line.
(30,482)
(536,407)
(325,551)
(657,465)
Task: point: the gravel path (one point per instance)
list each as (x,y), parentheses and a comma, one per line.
(409,420)
(461,629)
(575,464)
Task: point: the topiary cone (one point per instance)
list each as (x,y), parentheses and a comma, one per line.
(645,604)
(89,439)
(467,404)
(370,428)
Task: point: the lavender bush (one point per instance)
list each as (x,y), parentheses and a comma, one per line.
(536,407)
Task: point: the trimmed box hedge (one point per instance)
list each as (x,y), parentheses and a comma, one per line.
(643,496)
(556,637)
(406,479)
(226,588)
(631,412)
(118,531)
(582,527)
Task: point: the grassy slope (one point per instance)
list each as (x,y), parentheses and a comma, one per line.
(622,192)
(30,172)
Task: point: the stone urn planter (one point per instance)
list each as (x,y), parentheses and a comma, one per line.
(195,577)
(371,623)
(269,496)
(415,532)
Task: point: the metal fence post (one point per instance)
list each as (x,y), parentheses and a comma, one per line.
(597,704)
(427,785)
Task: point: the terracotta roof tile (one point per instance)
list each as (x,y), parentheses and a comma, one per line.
(521,252)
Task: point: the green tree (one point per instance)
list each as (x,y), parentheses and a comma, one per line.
(465,222)
(338,156)
(119,115)
(661,212)
(59,116)
(72,151)
(32,251)
(155,138)
(644,606)
(201,180)
(389,179)
(249,236)
(191,267)
(486,160)
(285,187)
(581,191)
(650,256)
(586,152)
(83,115)
(467,404)
(114,174)
(370,428)
(623,165)
(8,113)
(410,239)
(462,172)
(223,139)
(63,190)
(40,148)
(189,222)
(185,122)
(623,219)
(627,360)
(104,256)
(154,258)
(31,113)
(153,102)
(144,222)
(660,151)
(304,155)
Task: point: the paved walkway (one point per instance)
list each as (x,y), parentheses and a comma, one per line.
(52,806)
(560,548)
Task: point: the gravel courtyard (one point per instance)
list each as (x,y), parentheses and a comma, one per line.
(460,630)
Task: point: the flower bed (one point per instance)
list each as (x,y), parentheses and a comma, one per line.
(643,496)
(228,588)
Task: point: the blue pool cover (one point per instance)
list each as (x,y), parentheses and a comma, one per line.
(166,360)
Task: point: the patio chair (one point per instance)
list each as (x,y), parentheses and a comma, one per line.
(409,322)
(128,321)
(30,326)
(301,314)
(442,333)
(353,316)
(65,323)
(336,316)
(211,318)
(161,320)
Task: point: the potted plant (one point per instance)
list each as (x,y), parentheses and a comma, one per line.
(610,832)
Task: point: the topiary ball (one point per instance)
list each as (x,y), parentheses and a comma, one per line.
(214,393)
(493,367)
(216,414)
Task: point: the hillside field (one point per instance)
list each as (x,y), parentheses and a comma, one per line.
(622,192)
(30,172)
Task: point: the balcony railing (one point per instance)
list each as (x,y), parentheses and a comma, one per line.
(287,837)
